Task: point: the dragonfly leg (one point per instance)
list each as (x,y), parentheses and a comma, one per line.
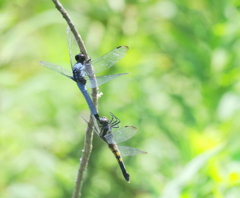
(111,118)
(114,123)
(88,61)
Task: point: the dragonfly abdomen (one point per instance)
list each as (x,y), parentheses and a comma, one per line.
(88,99)
(116,152)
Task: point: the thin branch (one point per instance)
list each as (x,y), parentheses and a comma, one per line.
(72,27)
(89,131)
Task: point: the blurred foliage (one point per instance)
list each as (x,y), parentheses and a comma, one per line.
(183,96)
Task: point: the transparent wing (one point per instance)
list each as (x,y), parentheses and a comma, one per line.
(109,59)
(72,46)
(57,68)
(101,79)
(129,151)
(96,127)
(124,133)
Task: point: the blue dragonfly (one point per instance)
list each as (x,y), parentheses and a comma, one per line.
(112,138)
(82,72)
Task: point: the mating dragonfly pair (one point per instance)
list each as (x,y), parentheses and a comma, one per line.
(82,74)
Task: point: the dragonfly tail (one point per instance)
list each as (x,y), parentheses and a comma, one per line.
(116,152)
(124,172)
(88,99)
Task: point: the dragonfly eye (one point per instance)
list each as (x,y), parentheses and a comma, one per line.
(103,120)
(80,58)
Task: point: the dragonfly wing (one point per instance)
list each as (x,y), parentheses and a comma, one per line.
(109,59)
(129,151)
(57,68)
(96,127)
(72,46)
(124,133)
(101,80)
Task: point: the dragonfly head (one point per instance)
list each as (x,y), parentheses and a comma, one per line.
(80,58)
(103,120)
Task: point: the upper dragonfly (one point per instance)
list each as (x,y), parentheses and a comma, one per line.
(81,68)
(114,137)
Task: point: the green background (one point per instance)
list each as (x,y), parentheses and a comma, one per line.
(183,95)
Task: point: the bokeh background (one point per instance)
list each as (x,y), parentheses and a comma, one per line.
(183,95)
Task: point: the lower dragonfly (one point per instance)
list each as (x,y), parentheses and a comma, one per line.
(113,137)
(82,73)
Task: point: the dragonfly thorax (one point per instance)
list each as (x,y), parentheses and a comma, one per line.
(79,73)
(79,69)
(105,126)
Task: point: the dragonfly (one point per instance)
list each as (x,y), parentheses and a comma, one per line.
(112,138)
(82,72)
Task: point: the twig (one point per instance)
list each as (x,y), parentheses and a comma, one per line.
(72,27)
(89,131)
